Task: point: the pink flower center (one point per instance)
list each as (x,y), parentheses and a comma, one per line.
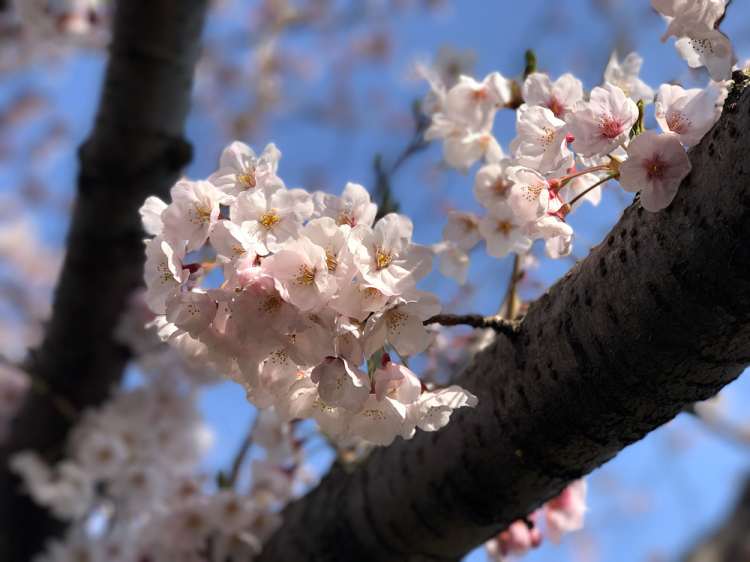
(678,122)
(655,167)
(344,217)
(505,228)
(610,127)
(557,107)
(481,94)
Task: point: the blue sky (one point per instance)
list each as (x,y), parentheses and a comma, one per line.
(657,496)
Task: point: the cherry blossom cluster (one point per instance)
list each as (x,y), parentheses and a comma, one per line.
(75,21)
(569,143)
(130,470)
(310,290)
(695,25)
(562,514)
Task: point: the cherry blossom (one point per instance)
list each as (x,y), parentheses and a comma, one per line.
(191,311)
(465,125)
(451,63)
(434,100)
(193,212)
(432,410)
(556,233)
(687,113)
(324,232)
(452,261)
(259,306)
(272,219)
(462,228)
(603,123)
(240,171)
(396,382)
(518,539)
(151,215)
(341,383)
(656,166)
(379,421)
(541,143)
(400,323)
(625,76)
(559,96)
(358,299)
(386,257)
(475,103)
(462,146)
(348,340)
(235,248)
(302,270)
(564,513)
(711,49)
(686,17)
(492,184)
(502,231)
(529,195)
(303,401)
(352,208)
(164,272)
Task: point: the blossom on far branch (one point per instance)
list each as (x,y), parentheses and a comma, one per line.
(562,514)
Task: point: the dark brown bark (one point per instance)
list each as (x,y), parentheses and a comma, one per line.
(655,318)
(136,149)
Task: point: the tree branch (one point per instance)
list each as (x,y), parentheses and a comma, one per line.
(135,150)
(657,317)
(497,323)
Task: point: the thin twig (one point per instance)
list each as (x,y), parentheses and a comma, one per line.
(240,456)
(510,294)
(497,323)
(582,194)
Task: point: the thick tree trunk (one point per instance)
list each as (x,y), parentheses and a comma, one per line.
(135,150)
(657,317)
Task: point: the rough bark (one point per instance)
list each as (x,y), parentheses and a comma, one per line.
(731,541)
(655,318)
(136,149)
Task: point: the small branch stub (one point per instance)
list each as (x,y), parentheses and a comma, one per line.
(497,323)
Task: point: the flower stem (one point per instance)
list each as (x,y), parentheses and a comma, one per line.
(597,184)
(565,180)
(497,323)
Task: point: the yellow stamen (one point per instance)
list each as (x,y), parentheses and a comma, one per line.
(270,219)
(383,257)
(506,227)
(247,177)
(344,218)
(306,276)
(331,260)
